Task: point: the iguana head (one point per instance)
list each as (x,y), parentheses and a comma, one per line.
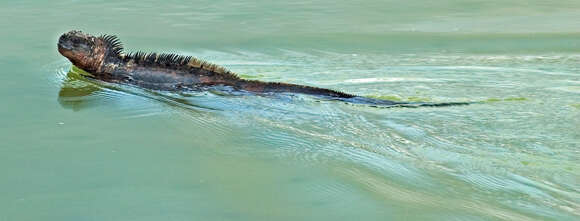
(86,51)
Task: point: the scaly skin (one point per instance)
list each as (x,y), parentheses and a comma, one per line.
(103,57)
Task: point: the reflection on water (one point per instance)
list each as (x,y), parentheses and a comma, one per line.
(75,92)
(78,92)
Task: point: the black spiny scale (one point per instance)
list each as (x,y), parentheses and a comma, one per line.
(150,58)
(113,43)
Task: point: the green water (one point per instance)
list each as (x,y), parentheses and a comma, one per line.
(77,150)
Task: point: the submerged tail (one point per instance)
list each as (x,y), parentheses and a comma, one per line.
(276,87)
(389,104)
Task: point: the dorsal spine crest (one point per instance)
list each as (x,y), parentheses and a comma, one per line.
(115,48)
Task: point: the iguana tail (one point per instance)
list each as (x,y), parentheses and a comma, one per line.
(276,87)
(389,104)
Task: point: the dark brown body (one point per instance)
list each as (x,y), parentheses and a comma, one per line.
(191,76)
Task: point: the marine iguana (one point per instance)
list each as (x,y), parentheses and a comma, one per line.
(103,57)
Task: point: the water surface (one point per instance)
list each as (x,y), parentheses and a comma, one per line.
(78,150)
